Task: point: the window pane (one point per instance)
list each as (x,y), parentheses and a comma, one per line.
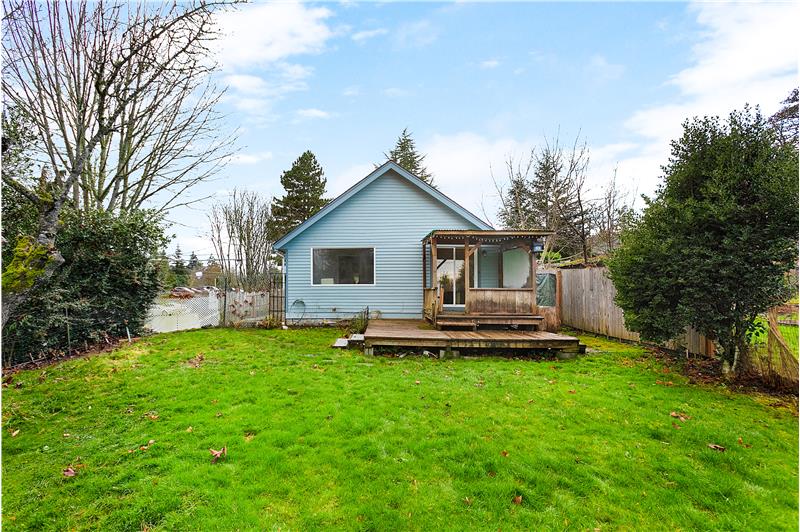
(516,268)
(344,266)
(546,289)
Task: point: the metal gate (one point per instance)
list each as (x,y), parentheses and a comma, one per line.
(277,297)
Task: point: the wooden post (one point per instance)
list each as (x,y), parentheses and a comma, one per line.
(558,296)
(534,306)
(435,277)
(424,265)
(466,275)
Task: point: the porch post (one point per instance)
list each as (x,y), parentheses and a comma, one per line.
(466,275)
(434,275)
(424,265)
(534,306)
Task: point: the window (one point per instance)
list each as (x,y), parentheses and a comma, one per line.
(331,266)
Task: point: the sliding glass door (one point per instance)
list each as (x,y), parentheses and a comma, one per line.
(450,272)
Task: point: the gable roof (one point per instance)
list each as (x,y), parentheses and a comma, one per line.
(378,172)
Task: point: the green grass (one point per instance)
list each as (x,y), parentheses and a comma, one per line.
(319,438)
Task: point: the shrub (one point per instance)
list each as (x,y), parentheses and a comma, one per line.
(107,283)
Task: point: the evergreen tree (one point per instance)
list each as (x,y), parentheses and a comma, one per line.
(406,155)
(304,184)
(712,247)
(179,270)
(194,262)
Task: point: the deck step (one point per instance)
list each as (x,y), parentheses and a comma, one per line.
(340,343)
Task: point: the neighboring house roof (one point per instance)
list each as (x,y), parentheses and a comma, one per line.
(378,172)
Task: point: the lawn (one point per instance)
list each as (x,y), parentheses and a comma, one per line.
(322,438)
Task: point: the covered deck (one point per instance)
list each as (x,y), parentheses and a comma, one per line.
(420,334)
(473,278)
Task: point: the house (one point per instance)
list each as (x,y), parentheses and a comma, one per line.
(397,246)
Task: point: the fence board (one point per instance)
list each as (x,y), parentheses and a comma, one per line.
(587,303)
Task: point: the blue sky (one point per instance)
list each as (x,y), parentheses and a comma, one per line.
(477,82)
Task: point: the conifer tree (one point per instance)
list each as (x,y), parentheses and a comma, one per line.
(304,184)
(406,155)
(194,262)
(179,270)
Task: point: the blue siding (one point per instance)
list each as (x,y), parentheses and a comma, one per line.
(392,216)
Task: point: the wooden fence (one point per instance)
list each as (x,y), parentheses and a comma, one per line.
(587,303)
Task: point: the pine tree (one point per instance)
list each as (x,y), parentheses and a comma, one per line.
(517,210)
(179,270)
(406,155)
(304,184)
(194,262)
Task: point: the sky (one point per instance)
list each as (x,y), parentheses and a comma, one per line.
(476,83)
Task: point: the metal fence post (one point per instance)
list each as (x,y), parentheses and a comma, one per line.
(225,304)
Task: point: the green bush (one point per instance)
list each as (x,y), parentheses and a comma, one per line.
(107,282)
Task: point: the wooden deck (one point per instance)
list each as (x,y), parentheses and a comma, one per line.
(418,333)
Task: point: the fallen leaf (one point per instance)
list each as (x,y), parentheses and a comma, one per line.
(676,426)
(467,501)
(190,429)
(416,382)
(743,444)
(218,454)
(249,436)
(504,453)
(196,361)
(518,499)
(69,472)
(492,474)
(716,447)
(67,434)
(219,414)
(680,416)
(13,434)
(572,391)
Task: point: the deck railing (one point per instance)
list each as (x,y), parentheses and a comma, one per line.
(501,301)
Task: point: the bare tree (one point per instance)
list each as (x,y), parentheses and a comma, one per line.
(87,74)
(516,209)
(240,234)
(576,211)
(614,211)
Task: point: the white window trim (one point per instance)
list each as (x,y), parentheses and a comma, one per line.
(374,266)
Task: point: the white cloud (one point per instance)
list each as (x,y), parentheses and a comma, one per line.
(600,70)
(256,95)
(345,179)
(352,91)
(251,158)
(363,36)
(415,34)
(313,113)
(746,53)
(489,63)
(395,92)
(260,34)
(461,165)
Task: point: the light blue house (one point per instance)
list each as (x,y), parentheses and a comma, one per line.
(369,247)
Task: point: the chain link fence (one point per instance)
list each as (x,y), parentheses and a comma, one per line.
(228,305)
